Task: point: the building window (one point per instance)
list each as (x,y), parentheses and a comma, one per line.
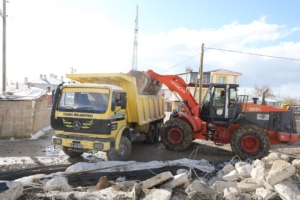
(206,78)
(221,79)
(168,106)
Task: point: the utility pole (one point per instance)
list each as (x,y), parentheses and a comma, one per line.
(73,70)
(4,49)
(201,74)
(135,42)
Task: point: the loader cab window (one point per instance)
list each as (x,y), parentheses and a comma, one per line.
(219,100)
(232,96)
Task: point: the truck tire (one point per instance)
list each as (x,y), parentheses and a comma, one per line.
(72,154)
(150,136)
(250,141)
(157,128)
(176,134)
(122,153)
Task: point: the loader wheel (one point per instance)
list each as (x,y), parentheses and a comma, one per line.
(157,128)
(122,153)
(176,134)
(150,136)
(72,154)
(250,141)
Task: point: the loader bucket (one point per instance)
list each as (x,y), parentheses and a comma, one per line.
(144,84)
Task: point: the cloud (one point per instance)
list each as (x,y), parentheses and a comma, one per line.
(92,44)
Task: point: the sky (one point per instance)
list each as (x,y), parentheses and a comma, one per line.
(97,36)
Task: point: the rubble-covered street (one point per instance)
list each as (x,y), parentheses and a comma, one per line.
(33,169)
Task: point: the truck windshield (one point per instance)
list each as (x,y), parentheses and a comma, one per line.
(90,102)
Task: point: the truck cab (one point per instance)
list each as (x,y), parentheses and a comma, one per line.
(87,117)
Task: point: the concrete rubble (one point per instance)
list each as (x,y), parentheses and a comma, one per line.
(272,177)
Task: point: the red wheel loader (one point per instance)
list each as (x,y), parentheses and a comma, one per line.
(250,128)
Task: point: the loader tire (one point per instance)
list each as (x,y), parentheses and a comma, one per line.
(250,141)
(176,134)
(150,136)
(122,153)
(71,154)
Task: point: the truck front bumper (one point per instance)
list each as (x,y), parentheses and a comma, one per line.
(83,144)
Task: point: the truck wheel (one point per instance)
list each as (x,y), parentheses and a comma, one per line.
(150,137)
(72,154)
(250,141)
(122,153)
(157,127)
(176,134)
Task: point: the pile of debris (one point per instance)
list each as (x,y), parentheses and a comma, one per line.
(272,177)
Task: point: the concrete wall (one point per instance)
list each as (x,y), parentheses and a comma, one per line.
(22,118)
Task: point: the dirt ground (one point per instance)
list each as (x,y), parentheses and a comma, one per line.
(19,154)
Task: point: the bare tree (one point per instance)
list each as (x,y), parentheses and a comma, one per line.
(289,100)
(257,91)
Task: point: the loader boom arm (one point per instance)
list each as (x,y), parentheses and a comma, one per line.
(178,85)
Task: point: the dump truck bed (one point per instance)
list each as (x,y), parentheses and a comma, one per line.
(141,109)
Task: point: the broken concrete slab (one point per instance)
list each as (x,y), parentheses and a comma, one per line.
(231,192)
(287,190)
(264,193)
(227,168)
(231,176)
(198,190)
(240,164)
(247,186)
(161,194)
(267,185)
(158,179)
(219,186)
(57,184)
(275,156)
(258,171)
(296,164)
(188,183)
(244,171)
(280,171)
(102,183)
(13,192)
(178,180)
(108,193)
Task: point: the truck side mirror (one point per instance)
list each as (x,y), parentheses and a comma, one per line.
(123,100)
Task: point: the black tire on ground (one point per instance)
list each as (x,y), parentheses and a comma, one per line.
(72,154)
(250,141)
(150,136)
(157,127)
(122,153)
(176,134)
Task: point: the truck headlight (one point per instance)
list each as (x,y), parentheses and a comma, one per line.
(98,146)
(57,141)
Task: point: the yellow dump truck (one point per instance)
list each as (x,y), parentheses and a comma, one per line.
(106,112)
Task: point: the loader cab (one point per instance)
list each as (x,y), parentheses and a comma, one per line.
(219,103)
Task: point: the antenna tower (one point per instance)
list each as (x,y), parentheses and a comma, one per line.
(134,57)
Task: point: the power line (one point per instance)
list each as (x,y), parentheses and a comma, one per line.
(254,54)
(183,61)
(35,12)
(232,51)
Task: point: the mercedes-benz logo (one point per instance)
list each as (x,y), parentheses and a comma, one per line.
(76,125)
